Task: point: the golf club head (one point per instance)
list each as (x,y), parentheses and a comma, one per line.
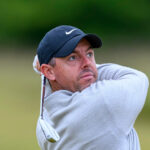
(49,132)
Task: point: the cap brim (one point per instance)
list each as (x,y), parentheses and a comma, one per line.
(69,46)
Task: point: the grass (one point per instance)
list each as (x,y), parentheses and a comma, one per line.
(20,96)
(19,105)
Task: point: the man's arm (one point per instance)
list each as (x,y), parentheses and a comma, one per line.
(124,91)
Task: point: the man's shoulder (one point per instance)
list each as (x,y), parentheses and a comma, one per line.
(106,65)
(107,69)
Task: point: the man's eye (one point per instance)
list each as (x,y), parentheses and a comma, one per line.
(72,58)
(90,54)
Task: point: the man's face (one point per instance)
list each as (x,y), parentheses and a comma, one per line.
(76,71)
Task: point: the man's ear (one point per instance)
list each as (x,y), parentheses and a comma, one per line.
(48,71)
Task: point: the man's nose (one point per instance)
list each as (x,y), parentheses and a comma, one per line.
(85,62)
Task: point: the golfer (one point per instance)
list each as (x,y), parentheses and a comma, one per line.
(85,106)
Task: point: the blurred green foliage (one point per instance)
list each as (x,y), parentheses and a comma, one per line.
(30,19)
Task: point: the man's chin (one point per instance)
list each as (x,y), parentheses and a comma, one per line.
(86,84)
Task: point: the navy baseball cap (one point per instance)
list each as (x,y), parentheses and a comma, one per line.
(61,41)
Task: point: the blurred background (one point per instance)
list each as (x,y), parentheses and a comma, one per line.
(124,27)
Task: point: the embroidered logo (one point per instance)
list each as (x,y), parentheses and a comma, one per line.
(69,32)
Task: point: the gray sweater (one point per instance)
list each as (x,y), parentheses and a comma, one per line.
(102,116)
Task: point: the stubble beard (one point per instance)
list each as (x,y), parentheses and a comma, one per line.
(82,86)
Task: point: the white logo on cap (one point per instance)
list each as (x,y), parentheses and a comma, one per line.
(69,32)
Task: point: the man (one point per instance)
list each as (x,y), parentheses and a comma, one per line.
(86,106)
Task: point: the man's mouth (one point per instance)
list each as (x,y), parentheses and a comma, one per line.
(87,76)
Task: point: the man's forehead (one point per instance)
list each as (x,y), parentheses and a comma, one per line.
(82,50)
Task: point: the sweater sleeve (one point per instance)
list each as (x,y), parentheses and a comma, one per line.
(124,92)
